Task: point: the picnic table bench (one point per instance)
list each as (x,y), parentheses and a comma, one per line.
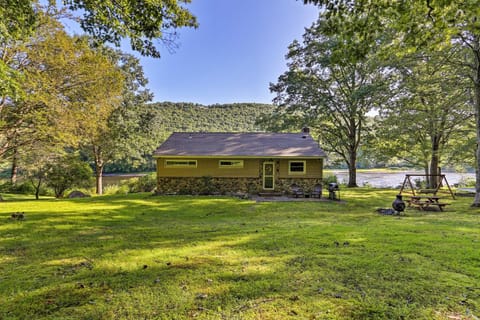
(428,191)
(424,202)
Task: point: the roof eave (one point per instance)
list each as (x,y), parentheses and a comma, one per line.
(240,156)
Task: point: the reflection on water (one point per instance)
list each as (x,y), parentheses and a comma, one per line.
(393,179)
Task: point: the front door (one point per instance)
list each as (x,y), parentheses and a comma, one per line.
(268,175)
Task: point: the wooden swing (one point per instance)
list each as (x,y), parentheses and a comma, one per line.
(408,183)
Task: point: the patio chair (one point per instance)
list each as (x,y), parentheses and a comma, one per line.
(296,191)
(317,191)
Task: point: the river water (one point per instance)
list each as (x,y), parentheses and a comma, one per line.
(380,179)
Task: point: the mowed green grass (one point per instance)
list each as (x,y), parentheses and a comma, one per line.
(146,257)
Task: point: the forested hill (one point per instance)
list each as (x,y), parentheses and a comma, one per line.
(190,117)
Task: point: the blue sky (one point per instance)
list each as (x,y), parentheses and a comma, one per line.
(238,49)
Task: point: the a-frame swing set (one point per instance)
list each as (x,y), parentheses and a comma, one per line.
(407,183)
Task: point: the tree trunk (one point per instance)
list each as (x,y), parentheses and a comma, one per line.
(427,178)
(58,192)
(434,162)
(99,164)
(99,178)
(352,170)
(476,101)
(37,189)
(476,201)
(14,171)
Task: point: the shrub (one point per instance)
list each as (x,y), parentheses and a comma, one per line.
(68,172)
(116,189)
(24,188)
(330,178)
(146,183)
(419,183)
(466,182)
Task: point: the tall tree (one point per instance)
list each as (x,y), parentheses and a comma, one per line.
(95,104)
(25,119)
(432,24)
(430,114)
(71,88)
(128,128)
(331,94)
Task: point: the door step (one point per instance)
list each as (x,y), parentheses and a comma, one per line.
(270,194)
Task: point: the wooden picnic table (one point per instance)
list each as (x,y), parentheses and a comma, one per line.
(424,202)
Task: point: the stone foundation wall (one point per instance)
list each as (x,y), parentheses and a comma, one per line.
(307,184)
(206,185)
(212,185)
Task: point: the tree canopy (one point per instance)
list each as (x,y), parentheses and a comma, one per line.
(145,23)
(430,114)
(142,22)
(330,93)
(417,25)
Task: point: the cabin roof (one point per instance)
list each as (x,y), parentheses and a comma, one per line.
(182,144)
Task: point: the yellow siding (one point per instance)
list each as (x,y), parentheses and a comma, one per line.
(314,169)
(210,167)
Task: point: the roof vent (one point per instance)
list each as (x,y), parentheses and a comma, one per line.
(305,130)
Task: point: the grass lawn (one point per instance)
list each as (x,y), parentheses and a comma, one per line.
(145,257)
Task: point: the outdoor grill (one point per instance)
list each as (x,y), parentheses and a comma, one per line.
(332,191)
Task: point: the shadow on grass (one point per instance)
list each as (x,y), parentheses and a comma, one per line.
(181,257)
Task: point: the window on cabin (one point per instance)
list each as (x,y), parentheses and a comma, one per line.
(230,163)
(180,163)
(297,167)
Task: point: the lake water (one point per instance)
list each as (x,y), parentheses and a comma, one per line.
(393,179)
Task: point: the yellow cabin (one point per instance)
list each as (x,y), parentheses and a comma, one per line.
(238,163)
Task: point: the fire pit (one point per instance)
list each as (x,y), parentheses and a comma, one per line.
(398,204)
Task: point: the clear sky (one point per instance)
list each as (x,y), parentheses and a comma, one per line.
(238,49)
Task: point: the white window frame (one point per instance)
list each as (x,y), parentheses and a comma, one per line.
(180,163)
(236,164)
(290,172)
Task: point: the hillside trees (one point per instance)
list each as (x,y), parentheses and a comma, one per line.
(417,24)
(331,94)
